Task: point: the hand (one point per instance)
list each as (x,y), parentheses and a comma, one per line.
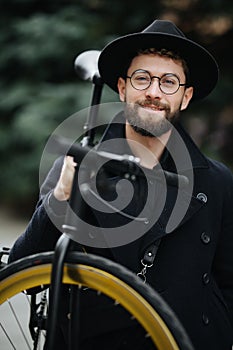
(62,190)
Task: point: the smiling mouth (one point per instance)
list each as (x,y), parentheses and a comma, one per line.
(153,108)
(152,105)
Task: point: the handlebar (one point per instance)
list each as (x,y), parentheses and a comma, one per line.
(116,163)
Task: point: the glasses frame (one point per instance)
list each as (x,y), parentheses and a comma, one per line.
(155,77)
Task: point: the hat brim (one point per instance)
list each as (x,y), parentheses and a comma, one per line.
(202,66)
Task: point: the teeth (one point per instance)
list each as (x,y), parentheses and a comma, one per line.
(152,107)
(155,108)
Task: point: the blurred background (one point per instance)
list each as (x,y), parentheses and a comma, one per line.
(39,88)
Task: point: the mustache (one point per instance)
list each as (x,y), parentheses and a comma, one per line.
(154,103)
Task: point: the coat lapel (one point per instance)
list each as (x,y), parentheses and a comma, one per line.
(180,204)
(173,215)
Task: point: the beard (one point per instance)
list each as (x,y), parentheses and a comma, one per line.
(146,122)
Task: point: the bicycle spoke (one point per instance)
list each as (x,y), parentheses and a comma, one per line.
(7,336)
(19,325)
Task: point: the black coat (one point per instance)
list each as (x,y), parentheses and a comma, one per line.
(193,269)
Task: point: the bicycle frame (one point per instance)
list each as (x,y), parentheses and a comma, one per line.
(64,244)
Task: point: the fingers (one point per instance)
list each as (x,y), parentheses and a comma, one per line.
(69,163)
(63,188)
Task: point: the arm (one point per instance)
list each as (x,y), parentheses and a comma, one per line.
(44,228)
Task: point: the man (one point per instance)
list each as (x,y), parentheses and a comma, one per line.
(157,73)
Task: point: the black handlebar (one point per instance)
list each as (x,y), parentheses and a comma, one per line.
(116,163)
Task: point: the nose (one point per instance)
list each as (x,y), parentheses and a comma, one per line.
(153,90)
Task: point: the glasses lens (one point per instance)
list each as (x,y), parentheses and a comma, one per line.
(140,80)
(169,83)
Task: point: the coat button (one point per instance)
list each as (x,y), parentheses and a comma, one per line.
(206,278)
(202,197)
(205,319)
(205,238)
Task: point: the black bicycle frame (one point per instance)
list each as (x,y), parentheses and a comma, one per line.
(64,243)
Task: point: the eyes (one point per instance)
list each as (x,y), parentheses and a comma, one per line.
(169,83)
(145,79)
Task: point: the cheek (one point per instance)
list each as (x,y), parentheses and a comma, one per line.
(133,96)
(177,104)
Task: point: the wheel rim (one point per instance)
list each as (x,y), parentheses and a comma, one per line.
(105,282)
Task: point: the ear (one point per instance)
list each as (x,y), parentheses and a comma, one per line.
(188,94)
(121,89)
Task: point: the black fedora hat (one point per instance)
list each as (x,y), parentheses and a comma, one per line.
(116,56)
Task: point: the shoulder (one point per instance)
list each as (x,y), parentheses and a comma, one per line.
(220,177)
(219,169)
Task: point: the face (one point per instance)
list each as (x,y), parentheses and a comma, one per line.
(150,112)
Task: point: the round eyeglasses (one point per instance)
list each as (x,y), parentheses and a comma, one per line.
(141,79)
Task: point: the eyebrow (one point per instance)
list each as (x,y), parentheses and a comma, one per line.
(152,75)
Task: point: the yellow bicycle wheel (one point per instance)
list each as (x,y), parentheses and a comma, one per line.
(106,277)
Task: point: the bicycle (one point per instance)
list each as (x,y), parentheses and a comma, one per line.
(50,270)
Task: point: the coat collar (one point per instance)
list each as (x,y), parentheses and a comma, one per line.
(116,129)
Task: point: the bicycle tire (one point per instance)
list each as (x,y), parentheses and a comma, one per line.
(111,279)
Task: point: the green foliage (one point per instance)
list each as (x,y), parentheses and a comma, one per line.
(39,88)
